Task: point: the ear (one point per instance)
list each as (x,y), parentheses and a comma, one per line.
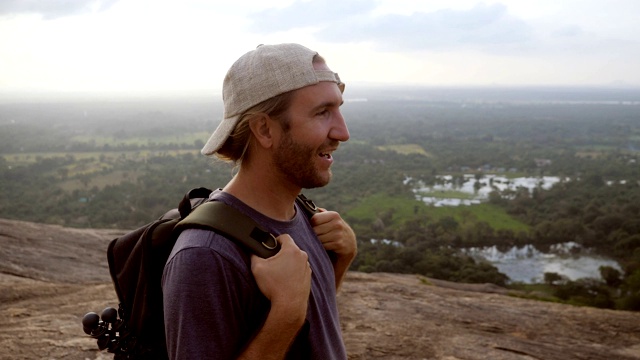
(262,128)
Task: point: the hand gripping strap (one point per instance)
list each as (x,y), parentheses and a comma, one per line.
(227,221)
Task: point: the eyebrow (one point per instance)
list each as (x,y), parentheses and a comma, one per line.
(326,104)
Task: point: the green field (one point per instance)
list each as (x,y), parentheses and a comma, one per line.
(406,149)
(91,156)
(404,209)
(100,182)
(114,141)
(495,216)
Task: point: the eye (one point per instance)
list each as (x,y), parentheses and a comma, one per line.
(323,112)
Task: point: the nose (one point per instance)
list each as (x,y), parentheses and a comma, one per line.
(339,130)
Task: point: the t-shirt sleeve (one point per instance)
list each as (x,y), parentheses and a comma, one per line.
(206,302)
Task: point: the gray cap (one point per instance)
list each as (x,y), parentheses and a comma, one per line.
(259,75)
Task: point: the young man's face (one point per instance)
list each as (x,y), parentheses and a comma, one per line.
(316,128)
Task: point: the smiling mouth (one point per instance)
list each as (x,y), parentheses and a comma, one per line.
(328,150)
(326,155)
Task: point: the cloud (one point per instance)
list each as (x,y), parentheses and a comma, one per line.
(569,31)
(484,26)
(52,9)
(309,13)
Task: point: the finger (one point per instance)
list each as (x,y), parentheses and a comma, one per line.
(321,217)
(285,240)
(322,223)
(330,243)
(323,229)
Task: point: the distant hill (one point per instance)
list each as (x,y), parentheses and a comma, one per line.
(51,276)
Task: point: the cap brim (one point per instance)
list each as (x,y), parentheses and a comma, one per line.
(219,136)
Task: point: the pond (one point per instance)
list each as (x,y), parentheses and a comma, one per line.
(522,264)
(469,191)
(527,264)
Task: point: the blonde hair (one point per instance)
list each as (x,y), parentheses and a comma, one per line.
(236,147)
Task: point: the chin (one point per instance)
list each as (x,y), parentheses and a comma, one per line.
(317,182)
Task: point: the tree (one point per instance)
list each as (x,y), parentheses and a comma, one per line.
(552,278)
(611,276)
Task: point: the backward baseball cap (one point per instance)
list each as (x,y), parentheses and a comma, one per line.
(259,75)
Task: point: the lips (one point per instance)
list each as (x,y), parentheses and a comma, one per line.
(327,151)
(325,155)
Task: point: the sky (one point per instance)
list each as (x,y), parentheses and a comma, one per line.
(185,46)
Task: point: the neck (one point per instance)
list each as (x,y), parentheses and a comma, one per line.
(264,192)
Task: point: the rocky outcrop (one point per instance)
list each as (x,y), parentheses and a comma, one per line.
(51,276)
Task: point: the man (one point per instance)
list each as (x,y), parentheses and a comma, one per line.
(281,125)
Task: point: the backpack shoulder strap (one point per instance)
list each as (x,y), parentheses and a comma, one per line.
(228,221)
(307,205)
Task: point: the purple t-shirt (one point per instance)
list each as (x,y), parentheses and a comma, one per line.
(212,304)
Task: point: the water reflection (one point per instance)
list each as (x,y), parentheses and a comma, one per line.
(527,264)
(473,190)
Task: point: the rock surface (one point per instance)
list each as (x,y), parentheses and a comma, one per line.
(51,276)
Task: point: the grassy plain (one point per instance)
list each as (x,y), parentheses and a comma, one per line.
(91,156)
(406,149)
(100,182)
(178,138)
(403,209)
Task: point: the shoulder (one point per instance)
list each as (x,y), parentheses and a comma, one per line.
(201,251)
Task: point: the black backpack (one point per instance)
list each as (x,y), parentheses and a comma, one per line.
(136,262)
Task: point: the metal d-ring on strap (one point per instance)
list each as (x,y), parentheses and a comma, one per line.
(307,205)
(262,242)
(273,240)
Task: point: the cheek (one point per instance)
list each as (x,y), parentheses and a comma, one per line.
(319,131)
(311,137)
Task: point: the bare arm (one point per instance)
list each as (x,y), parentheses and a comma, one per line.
(336,236)
(285,279)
